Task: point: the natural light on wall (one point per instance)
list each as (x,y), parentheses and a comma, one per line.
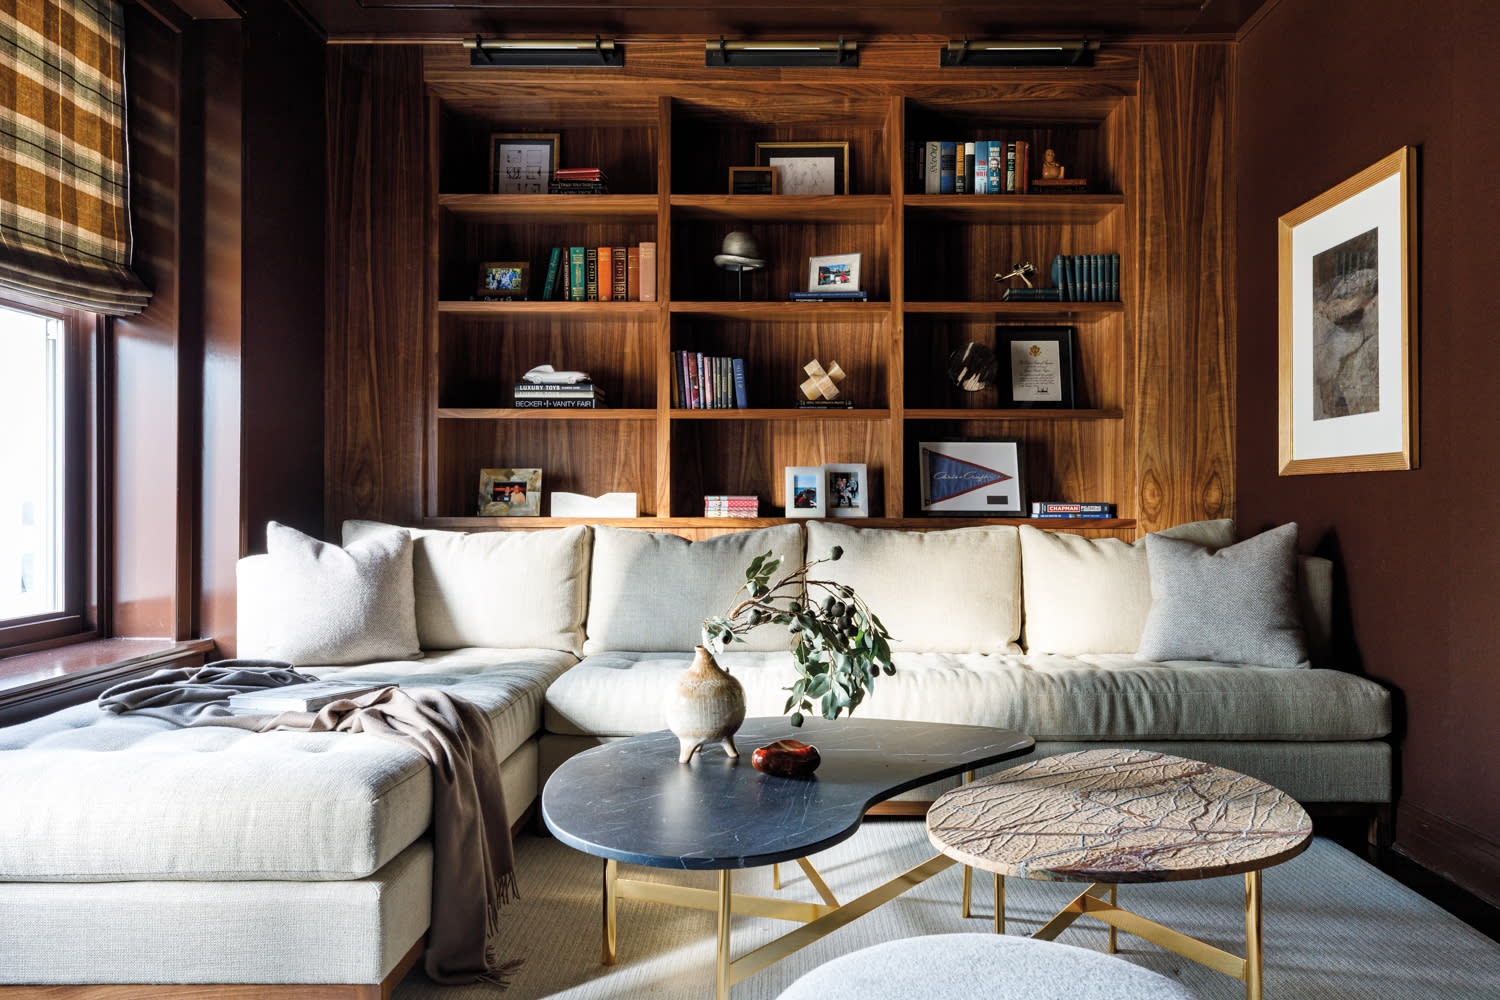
(31,464)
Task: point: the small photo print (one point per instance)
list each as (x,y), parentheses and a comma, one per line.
(843,489)
(504,279)
(508,493)
(805,491)
(834,275)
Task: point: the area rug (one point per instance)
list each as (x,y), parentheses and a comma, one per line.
(1335,928)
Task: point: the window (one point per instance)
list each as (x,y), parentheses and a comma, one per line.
(43,517)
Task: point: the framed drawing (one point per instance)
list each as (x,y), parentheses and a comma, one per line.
(806,493)
(1348,345)
(523,162)
(510,492)
(807,167)
(972,477)
(504,279)
(834,273)
(848,490)
(1036,365)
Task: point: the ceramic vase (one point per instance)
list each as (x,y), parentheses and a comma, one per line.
(705,706)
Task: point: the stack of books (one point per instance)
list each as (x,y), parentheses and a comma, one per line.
(578,180)
(702,382)
(731,505)
(983,166)
(829,296)
(559,395)
(1057,509)
(602,274)
(1079,277)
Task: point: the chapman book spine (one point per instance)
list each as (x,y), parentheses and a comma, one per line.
(591,274)
(551,284)
(932,173)
(947,168)
(606,269)
(1093,508)
(575,274)
(648,272)
(741,396)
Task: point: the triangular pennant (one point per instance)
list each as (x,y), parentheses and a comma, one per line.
(952,477)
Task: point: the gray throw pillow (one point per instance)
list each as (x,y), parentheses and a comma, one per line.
(1236,605)
(330,606)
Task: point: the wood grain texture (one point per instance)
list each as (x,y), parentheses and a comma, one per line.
(1185,365)
(376,301)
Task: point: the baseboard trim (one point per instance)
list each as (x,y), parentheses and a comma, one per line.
(1449,850)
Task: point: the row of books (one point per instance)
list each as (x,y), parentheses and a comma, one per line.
(578,180)
(602,274)
(702,382)
(1079,277)
(559,395)
(982,166)
(1057,509)
(731,505)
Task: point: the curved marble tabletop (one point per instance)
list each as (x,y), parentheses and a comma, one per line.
(1118,816)
(631,801)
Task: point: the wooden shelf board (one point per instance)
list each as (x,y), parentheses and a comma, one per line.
(785,310)
(1065,209)
(649,523)
(781,414)
(508,208)
(1015,308)
(1026,414)
(503,308)
(540,413)
(871,209)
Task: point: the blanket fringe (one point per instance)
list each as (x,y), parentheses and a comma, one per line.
(498,973)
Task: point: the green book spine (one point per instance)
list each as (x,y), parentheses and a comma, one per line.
(576,284)
(551,273)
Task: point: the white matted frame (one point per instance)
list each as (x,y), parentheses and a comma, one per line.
(834,273)
(1348,342)
(848,489)
(806,491)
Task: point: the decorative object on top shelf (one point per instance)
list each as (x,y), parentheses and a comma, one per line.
(786,759)
(972,477)
(1348,297)
(822,386)
(972,367)
(807,167)
(1039,366)
(848,489)
(605,505)
(1019,271)
(835,275)
(723,54)
(547,375)
(504,279)
(544,387)
(1055,179)
(1051,169)
(841,645)
(510,492)
(806,493)
(754,180)
(739,253)
(579,52)
(523,162)
(982,52)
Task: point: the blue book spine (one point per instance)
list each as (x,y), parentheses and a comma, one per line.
(1057,281)
(1070,273)
(1101,284)
(947,166)
(1081,263)
(740,400)
(997,167)
(1114,277)
(1093,260)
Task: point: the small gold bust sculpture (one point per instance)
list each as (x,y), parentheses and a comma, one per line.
(1051,169)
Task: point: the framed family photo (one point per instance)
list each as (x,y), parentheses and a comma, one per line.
(806,492)
(510,492)
(1348,342)
(848,486)
(834,273)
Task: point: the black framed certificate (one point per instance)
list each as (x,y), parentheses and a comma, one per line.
(1036,365)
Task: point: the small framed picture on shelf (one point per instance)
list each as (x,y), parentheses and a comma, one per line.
(806,492)
(510,492)
(523,162)
(848,489)
(807,167)
(754,180)
(1036,367)
(972,477)
(504,279)
(835,273)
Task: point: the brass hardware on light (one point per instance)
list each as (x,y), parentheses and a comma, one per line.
(722,53)
(1034,53)
(499,52)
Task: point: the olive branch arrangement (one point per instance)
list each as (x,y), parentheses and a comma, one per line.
(841,646)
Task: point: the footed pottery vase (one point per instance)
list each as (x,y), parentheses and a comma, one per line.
(705,706)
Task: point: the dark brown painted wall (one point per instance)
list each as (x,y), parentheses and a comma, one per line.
(1325,88)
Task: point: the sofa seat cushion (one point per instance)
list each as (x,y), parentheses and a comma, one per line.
(97,797)
(1095,698)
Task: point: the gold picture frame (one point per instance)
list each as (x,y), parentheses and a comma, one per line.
(1347,367)
(510,492)
(815,167)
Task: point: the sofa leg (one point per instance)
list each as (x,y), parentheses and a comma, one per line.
(1380,834)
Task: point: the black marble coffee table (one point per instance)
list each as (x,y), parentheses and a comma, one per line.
(631,801)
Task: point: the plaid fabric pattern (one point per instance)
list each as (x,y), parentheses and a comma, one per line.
(64,208)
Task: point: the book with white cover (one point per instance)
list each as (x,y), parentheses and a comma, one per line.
(308,697)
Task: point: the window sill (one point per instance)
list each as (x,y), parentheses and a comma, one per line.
(34,684)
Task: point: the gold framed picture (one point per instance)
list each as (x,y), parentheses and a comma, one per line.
(807,167)
(1347,369)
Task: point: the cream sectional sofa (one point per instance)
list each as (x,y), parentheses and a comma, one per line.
(135,852)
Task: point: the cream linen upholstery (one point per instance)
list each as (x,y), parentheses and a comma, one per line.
(956,591)
(1092,595)
(1100,698)
(496,589)
(118,798)
(650,591)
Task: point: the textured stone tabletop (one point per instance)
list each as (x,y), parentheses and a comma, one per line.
(1118,816)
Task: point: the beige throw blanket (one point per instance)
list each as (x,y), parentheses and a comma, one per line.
(473,864)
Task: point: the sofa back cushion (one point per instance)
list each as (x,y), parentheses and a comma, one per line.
(1092,595)
(956,591)
(496,589)
(650,591)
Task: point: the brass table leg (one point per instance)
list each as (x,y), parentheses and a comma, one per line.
(999,903)
(721,961)
(776,875)
(1253,966)
(968,896)
(1112,901)
(611,870)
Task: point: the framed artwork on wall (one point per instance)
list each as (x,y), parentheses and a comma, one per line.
(972,477)
(1348,343)
(807,167)
(1037,366)
(523,162)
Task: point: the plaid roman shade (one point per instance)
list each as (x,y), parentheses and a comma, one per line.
(64,214)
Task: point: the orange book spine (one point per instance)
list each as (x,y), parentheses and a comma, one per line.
(606,268)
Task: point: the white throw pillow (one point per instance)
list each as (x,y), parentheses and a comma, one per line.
(956,591)
(496,589)
(320,604)
(1092,595)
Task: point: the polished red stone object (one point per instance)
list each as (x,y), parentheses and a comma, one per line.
(786,758)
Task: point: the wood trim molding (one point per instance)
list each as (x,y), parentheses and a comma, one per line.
(1450,850)
(73,674)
